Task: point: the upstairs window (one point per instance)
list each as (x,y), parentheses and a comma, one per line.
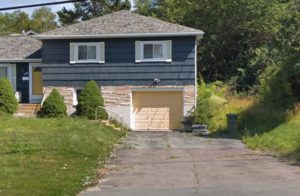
(87,52)
(153,51)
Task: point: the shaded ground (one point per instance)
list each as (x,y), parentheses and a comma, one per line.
(172,163)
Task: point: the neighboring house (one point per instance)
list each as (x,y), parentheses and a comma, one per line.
(146,67)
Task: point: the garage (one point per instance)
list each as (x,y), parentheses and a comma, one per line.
(157,110)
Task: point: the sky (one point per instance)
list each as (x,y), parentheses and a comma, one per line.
(10,3)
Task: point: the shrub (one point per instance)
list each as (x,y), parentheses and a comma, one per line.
(8,101)
(54,105)
(209,101)
(89,99)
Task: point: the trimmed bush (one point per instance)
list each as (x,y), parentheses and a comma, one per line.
(89,99)
(54,105)
(8,101)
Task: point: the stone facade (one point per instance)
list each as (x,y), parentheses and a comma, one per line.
(117,98)
(120,95)
(69,94)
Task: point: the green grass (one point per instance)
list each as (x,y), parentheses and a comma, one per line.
(283,139)
(262,127)
(51,156)
(234,105)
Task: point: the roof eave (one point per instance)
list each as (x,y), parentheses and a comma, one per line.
(129,35)
(18,60)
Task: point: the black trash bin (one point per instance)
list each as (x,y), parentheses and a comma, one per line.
(232,123)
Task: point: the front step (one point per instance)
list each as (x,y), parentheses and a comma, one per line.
(27,110)
(106,123)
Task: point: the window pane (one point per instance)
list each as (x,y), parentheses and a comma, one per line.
(3,72)
(82,52)
(158,51)
(148,51)
(91,52)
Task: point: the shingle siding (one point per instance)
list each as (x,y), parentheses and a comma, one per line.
(119,67)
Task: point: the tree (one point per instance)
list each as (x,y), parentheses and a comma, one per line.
(67,17)
(234,30)
(86,10)
(54,105)
(43,19)
(8,101)
(89,99)
(14,22)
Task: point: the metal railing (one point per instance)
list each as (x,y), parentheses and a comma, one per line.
(110,111)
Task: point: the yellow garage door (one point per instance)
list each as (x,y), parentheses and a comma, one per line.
(157,110)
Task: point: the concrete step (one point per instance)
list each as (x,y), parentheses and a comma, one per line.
(27,110)
(106,123)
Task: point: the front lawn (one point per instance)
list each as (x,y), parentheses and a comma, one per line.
(51,156)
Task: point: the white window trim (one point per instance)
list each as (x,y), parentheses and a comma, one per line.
(164,44)
(98,48)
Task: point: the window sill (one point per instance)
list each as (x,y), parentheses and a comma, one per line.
(87,62)
(155,60)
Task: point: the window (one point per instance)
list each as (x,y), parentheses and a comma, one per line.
(87,52)
(90,52)
(151,51)
(3,71)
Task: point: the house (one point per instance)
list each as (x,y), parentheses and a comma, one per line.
(146,67)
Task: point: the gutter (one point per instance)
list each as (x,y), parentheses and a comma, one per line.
(20,60)
(128,35)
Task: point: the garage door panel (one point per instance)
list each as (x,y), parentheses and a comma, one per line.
(162,109)
(141,117)
(157,110)
(141,109)
(139,125)
(159,125)
(160,117)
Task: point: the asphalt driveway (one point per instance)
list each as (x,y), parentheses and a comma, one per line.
(172,163)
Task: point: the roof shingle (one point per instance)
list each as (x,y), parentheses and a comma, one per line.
(19,47)
(120,23)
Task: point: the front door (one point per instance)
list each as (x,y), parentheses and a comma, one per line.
(36,83)
(23,81)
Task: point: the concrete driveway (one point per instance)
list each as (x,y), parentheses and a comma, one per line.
(172,163)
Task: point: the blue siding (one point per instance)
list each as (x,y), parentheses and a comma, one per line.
(120,67)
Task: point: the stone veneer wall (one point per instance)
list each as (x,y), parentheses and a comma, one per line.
(120,95)
(117,98)
(69,94)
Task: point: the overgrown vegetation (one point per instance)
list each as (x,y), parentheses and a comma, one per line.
(54,105)
(89,99)
(8,101)
(281,138)
(214,102)
(51,156)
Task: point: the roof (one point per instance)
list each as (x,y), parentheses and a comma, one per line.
(19,48)
(120,24)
